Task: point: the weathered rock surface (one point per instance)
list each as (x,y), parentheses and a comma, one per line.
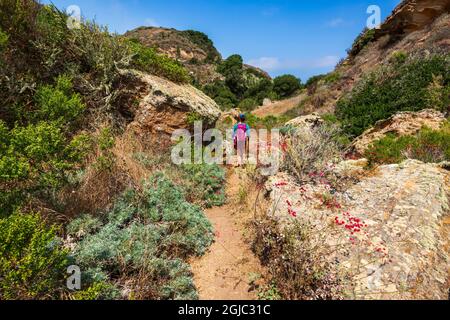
(401,124)
(167,106)
(413,15)
(307,121)
(415,25)
(388,233)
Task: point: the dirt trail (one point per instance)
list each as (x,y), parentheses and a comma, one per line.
(224,272)
(279,107)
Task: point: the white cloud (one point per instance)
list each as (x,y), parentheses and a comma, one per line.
(266,63)
(337,22)
(327,61)
(274,64)
(150,22)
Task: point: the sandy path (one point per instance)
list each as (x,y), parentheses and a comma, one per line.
(224,272)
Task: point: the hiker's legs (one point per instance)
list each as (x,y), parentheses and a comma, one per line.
(241,152)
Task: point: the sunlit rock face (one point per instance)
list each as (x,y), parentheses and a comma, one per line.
(387,235)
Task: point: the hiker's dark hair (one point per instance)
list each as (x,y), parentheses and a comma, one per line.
(242,117)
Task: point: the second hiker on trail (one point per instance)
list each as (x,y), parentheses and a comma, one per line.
(241,137)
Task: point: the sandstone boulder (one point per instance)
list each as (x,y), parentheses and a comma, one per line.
(387,235)
(401,124)
(168,106)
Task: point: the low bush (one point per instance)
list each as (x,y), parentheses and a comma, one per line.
(32,262)
(428,145)
(313,150)
(205,184)
(297,265)
(147,238)
(419,83)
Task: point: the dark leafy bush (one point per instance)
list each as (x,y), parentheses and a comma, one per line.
(393,88)
(286,85)
(32,262)
(428,146)
(58,103)
(232,69)
(222,95)
(363,39)
(248,104)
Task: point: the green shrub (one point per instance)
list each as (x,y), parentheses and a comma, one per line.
(314,80)
(32,263)
(3,40)
(206,183)
(221,94)
(394,88)
(232,69)
(97,291)
(248,104)
(428,145)
(284,86)
(147,59)
(399,57)
(332,77)
(150,234)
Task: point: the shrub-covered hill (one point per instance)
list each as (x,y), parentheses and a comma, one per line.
(414,28)
(230,82)
(76,187)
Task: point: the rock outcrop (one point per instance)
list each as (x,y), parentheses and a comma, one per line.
(168,106)
(387,235)
(413,15)
(401,124)
(307,121)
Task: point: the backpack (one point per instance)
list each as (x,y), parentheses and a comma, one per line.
(241,134)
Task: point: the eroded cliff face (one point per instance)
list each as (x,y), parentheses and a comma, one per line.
(413,15)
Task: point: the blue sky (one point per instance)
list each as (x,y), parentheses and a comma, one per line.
(301,37)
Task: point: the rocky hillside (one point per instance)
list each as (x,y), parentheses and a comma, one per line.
(414,26)
(192,48)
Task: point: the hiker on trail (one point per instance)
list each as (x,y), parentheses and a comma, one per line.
(241,137)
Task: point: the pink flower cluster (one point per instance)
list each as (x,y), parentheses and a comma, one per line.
(290,210)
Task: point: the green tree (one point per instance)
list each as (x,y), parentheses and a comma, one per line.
(232,69)
(286,85)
